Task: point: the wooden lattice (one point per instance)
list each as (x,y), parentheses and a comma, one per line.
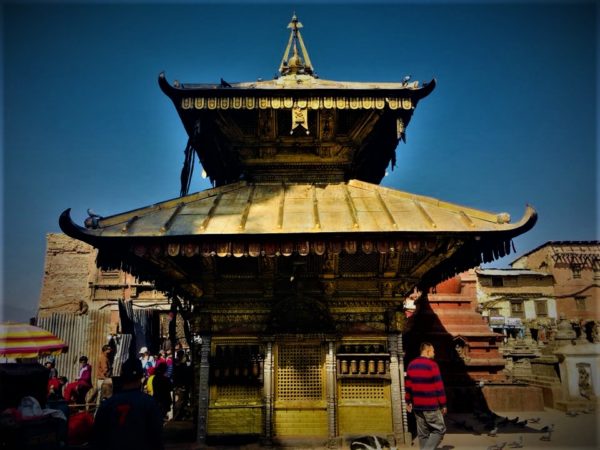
(238,392)
(352,389)
(299,372)
(359,262)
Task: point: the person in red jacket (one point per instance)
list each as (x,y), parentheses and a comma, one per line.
(426,398)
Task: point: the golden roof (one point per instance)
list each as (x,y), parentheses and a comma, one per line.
(245,209)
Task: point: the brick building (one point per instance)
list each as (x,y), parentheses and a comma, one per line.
(575,269)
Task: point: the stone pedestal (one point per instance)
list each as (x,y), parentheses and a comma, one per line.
(579,365)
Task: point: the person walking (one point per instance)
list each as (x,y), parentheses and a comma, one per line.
(130,418)
(161,389)
(426,397)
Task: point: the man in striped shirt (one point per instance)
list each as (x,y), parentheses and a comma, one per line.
(425,397)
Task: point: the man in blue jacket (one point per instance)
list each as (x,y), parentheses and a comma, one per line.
(130,418)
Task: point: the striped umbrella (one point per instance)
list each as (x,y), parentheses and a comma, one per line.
(21,340)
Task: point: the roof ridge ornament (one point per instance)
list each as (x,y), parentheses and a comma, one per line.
(295,64)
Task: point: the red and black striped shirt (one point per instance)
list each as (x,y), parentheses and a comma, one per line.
(424,386)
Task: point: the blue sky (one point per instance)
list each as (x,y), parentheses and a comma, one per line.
(512,121)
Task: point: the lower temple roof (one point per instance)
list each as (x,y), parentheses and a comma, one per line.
(245,209)
(169,243)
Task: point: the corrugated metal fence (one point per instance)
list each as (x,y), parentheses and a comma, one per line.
(85,335)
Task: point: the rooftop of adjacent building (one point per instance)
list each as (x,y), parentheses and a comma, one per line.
(591,246)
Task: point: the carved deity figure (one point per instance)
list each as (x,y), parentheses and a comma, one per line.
(585,380)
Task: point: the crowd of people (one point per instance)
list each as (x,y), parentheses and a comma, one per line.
(166,378)
(158,383)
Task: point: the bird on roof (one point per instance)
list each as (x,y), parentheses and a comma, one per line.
(406,79)
(534,420)
(225,83)
(92,220)
(493,432)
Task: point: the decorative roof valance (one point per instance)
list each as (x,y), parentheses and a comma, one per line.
(278,102)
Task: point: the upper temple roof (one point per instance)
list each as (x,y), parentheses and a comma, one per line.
(296,127)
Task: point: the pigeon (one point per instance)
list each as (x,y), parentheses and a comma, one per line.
(522,423)
(493,432)
(224,83)
(515,420)
(92,220)
(534,420)
(497,446)
(503,422)
(547,433)
(406,79)
(517,444)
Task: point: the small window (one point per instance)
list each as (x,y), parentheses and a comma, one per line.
(541,308)
(576,269)
(494,312)
(497,282)
(580,303)
(109,274)
(516,309)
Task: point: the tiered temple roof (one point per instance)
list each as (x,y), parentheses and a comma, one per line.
(294,160)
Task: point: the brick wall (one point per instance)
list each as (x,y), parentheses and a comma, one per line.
(66,274)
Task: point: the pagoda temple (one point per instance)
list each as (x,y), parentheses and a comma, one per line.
(294,268)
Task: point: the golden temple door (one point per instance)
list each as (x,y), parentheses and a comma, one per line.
(300,407)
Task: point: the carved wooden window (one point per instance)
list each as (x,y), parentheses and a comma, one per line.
(516,309)
(299,372)
(497,281)
(359,263)
(366,389)
(541,308)
(580,303)
(110,275)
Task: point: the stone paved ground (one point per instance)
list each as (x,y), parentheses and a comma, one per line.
(578,433)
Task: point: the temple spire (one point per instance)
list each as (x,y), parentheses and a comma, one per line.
(295,63)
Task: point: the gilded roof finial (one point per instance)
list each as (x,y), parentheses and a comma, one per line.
(295,63)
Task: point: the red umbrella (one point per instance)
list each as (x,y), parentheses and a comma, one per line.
(21,340)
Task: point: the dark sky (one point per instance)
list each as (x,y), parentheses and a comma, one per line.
(512,121)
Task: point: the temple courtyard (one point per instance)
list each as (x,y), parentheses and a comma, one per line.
(578,431)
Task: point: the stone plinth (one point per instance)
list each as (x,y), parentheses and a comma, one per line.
(513,397)
(580,370)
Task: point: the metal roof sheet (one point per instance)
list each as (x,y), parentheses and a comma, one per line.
(258,209)
(511,272)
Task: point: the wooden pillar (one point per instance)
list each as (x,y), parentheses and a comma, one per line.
(268,388)
(203,392)
(330,367)
(398,413)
